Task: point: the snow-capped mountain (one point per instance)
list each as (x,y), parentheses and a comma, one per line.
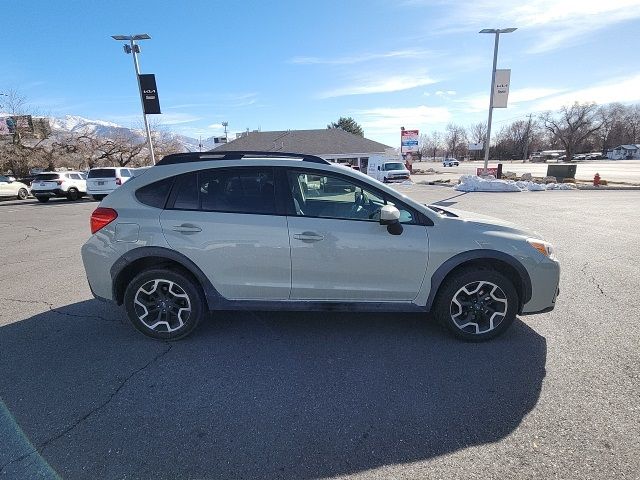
(77,124)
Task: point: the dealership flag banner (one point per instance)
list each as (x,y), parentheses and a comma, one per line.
(409,141)
(149,93)
(501,88)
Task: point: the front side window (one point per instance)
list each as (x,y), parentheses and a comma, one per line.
(233,190)
(329,196)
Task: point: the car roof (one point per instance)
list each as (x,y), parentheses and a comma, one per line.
(178,158)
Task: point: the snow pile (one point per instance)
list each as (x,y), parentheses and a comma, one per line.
(472,183)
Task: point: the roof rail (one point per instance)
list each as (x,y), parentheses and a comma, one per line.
(176,158)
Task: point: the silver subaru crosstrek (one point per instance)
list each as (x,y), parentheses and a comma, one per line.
(201,232)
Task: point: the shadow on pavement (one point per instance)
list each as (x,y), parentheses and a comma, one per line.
(254,395)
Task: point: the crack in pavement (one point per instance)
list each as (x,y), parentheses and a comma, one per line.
(39,449)
(593,279)
(55,309)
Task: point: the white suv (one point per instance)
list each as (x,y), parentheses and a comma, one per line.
(450,162)
(203,232)
(104,180)
(72,185)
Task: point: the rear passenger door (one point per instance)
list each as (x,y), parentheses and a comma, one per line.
(227,222)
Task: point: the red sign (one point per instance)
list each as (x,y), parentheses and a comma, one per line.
(490,171)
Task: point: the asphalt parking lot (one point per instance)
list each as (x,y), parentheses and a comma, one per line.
(313,395)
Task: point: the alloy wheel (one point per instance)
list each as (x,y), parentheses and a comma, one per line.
(162,305)
(478,307)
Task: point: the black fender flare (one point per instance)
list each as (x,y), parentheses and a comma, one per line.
(212,296)
(485,255)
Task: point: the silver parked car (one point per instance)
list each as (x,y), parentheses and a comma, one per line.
(203,232)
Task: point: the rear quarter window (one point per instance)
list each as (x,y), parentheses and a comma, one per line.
(155,194)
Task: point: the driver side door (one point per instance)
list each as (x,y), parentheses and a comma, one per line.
(339,250)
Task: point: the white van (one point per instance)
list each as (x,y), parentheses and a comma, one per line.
(387,169)
(102,181)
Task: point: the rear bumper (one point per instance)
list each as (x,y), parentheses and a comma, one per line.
(56,192)
(95,191)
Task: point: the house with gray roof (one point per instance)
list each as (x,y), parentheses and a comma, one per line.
(625,152)
(331,144)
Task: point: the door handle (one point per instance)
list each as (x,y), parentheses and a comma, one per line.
(308,237)
(186,228)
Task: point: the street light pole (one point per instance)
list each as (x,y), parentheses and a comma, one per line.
(497,32)
(134,49)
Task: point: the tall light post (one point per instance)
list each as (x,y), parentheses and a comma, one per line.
(134,49)
(497,32)
(225,125)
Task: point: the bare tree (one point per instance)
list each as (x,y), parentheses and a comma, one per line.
(572,126)
(430,144)
(455,140)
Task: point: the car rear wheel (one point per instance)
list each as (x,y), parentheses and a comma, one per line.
(164,304)
(477,305)
(23,194)
(98,198)
(43,199)
(73,194)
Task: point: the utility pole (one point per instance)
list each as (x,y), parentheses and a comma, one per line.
(134,49)
(526,142)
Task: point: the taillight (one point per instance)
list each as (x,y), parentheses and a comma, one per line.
(101,217)
(118,181)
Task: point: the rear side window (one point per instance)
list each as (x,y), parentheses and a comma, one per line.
(125,173)
(47,176)
(75,176)
(155,194)
(237,190)
(102,173)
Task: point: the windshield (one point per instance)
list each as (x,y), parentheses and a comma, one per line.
(47,176)
(102,173)
(393,166)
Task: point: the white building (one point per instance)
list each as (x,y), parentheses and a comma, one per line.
(625,152)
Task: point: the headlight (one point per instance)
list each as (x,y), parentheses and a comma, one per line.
(543,247)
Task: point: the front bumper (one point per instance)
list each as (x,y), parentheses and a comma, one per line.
(545,286)
(396,179)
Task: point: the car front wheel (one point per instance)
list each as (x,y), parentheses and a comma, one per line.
(477,305)
(164,304)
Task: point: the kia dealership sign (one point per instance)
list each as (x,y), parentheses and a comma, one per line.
(409,141)
(501,88)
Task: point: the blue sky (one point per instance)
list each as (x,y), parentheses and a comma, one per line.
(297,65)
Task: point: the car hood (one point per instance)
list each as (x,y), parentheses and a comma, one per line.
(483,222)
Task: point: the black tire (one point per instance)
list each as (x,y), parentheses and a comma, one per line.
(73,194)
(482,315)
(43,199)
(23,194)
(171,328)
(98,198)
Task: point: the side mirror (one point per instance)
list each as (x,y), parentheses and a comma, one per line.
(390,216)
